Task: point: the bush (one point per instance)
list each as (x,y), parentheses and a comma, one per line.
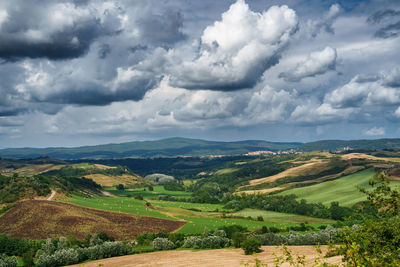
(162,244)
(231,229)
(105,250)
(207,240)
(260,218)
(59,258)
(323,237)
(238,239)
(6,261)
(251,245)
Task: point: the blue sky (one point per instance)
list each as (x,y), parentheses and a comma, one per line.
(84,72)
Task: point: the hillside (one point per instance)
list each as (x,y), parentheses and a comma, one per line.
(28,179)
(343,190)
(61,219)
(367,145)
(172,147)
(164,147)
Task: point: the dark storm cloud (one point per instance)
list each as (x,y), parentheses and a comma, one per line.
(389,20)
(95,94)
(55,30)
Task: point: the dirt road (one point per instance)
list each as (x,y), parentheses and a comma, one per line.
(208,258)
(53,193)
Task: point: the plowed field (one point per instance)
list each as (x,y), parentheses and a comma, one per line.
(40,219)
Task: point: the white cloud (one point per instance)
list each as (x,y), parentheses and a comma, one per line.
(375,131)
(316,63)
(238,49)
(360,91)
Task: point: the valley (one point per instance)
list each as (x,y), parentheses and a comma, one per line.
(278,199)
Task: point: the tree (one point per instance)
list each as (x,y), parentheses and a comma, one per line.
(251,245)
(120,187)
(238,238)
(375,242)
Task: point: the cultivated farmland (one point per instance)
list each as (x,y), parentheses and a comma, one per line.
(39,219)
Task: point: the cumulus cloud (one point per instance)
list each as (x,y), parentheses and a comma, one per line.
(317,63)
(56,30)
(362,91)
(236,50)
(311,112)
(375,131)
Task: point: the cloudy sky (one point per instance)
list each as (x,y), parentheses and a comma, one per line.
(84,72)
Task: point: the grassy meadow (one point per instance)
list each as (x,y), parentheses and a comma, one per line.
(196,215)
(158,190)
(343,190)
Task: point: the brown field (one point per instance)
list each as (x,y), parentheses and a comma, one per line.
(110,180)
(33,169)
(394,174)
(40,219)
(365,156)
(210,258)
(309,167)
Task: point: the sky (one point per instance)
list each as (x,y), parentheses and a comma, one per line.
(86,72)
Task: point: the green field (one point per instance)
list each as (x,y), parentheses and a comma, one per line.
(197,215)
(343,190)
(119,204)
(158,190)
(281,218)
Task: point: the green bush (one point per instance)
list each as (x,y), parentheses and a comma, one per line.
(238,239)
(251,245)
(6,261)
(162,244)
(217,239)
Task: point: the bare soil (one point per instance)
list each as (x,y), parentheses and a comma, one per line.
(40,219)
(211,258)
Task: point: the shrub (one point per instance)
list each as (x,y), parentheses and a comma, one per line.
(105,250)
(6,261)
(238,239)
(260,218)
(322,237)
(207,240)
(231,229)
(59,258)
(162,244)
(251,245)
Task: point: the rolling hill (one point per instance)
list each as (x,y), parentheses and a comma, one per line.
(165,147)
(177,146)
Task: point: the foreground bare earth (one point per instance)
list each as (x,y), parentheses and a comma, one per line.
(208,258)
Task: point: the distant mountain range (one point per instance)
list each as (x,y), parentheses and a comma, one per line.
(191,147)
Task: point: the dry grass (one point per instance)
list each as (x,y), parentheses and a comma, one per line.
(211,258)
(310,167)
(111,180)
(33,169)
(40,219)
(365,156)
